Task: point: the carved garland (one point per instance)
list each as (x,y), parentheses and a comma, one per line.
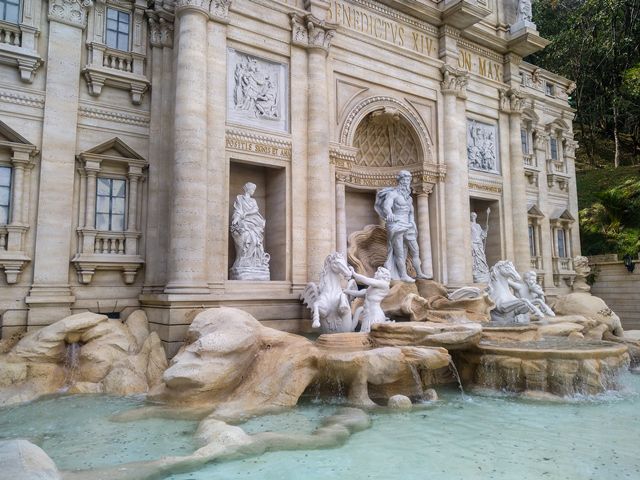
(374,103)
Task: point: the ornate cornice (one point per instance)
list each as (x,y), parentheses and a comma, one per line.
(312,33)
(70,12)
(22,99)
(454,81)
(423,179)
(120,117)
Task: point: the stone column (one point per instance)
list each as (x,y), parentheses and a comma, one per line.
(546,246)
(50,297)
(218,171)
(187,249)
(316,36)
(458,231)
(424,231)
(511,101)
(570,160)
(341,216)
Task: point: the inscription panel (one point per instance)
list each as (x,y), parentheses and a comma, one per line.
(389,26)
(481,65)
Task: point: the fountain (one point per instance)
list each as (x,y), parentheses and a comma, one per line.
(235,382)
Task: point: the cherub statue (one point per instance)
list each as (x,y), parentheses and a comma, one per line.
(378,288)
(530,290)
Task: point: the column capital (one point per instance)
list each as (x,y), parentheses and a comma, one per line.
(570,146)
(219,10)
(423,189)
(312,33)
(511,100)
(199,6)
(70,12)
(454,81)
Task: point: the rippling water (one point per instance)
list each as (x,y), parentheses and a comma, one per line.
(476,437)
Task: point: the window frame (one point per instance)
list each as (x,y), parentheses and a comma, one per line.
(9,187)
(533,247)
(561,233)
(18,18)
(553,140)
(119,11)
(111,197)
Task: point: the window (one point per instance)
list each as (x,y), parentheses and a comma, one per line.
(5,194)
(110,204)
(117,29)
(562,244)
(553,147)
(524,137)
(10,10)
(532,241)
(549,90)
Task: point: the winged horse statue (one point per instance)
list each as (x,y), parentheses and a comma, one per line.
(329,304)
(508,307)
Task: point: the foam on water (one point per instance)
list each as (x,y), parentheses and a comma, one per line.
(478,437)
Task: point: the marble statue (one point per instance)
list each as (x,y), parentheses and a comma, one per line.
(582,268)
(509,308)
(377,289)
(525,12)
(480,267)
(530,289)
(330,305)
(395,206)
(247,230)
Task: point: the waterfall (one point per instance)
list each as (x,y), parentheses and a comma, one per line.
(71,364)
(454,370)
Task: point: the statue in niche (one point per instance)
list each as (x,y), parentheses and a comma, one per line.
(480,267)
(481,147)
(529,289)
(525,12)
(395,206)
(247,230)
(377,288)
(255,90)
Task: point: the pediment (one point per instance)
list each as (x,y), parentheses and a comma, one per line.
(9,136)
(534,211)
(562,214)
(114,148)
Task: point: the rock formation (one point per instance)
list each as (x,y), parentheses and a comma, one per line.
(83,353)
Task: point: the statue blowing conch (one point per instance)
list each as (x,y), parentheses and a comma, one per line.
(395,206)
(247,230)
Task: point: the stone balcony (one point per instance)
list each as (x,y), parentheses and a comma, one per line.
(531,169)
(536,263)
(18,48)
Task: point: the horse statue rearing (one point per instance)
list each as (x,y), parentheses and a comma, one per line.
(509,308)
(329,304)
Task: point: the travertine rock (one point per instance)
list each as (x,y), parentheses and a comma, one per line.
(83,353)
(22,460)
(592,307)
(238,367)
(451,337)
(400,402)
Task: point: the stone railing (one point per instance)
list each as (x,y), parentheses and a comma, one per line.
(529,160)
(556,166)
(10,34)
(117,60)
(536,263)
(562,264)
(111,243)
(3,237)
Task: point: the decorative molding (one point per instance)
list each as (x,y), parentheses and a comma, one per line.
(454,81)
(396,15)
(511,100)
(114,116)
(25,99)
(312,33)
(219,10)
(242,141)
(197,5)
(70,12)
(423,178)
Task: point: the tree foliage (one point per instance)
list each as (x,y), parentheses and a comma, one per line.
(597,44)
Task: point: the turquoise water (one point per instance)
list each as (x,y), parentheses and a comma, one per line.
(473,438)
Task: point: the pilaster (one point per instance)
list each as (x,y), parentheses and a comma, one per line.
(511,102)
(50,297)
(315,36)
(540,140)
(458,233)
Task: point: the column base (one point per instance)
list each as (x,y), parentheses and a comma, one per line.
(186,288)
(48,304)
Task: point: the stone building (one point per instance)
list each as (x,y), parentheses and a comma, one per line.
(127,128)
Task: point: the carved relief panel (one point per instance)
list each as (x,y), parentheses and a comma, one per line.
(482,146)
(257,92)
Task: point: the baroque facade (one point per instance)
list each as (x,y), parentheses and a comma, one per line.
(127,129)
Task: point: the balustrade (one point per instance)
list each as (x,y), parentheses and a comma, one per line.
(10,34)
(536,263)
(3,238)
(122,61)
(109,243)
